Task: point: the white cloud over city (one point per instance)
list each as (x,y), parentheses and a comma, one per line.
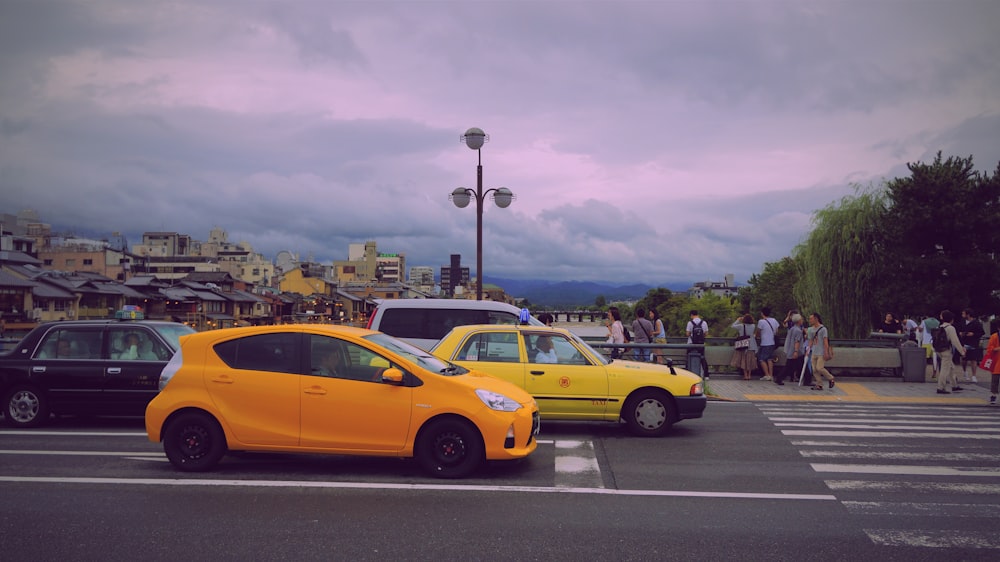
(647,142)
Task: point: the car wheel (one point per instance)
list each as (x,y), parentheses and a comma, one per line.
(194,442)
(649,413)
(449,449)
(26,407)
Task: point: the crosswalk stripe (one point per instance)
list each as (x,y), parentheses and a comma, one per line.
(934,538)
(908,469)
(901,434)
(886,444)
(912,509)
(878,426)
(576,465)
(898,455)
(928,419)
(974,488)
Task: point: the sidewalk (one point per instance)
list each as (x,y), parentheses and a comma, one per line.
(848,389)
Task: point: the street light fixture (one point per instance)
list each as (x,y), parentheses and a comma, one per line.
(474,138)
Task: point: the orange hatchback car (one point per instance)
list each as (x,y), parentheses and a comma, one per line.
(312,388)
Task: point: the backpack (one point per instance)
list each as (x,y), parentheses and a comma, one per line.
(697,332)
(940,341)
(625,332)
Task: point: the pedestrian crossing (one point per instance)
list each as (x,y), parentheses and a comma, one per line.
(913,475)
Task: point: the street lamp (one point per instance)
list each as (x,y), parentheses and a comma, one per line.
(474,139)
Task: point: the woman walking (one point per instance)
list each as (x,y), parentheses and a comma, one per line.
(745,359)
(616,332)
(660,334)
(993,350)
(820,351)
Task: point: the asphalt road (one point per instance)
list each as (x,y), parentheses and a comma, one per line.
(750,481)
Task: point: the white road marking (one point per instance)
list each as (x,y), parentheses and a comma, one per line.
(894,427)
(886,444)
(934,539)
(78,453)
(910,419)
(906,434)
(389,486)
(576,465)
(923,487)
(908,509)
(908,469)
(895,455)
(72,433)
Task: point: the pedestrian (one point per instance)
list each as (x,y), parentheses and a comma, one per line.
(820,351)
(768,329)
(794,351)
(659,333)
(697,331)
(745,358)
(909,328)
(616,332)
(949,361)
(545,318)
(970,331)
(993,351)
(643,330)
(890,325)
(926,330)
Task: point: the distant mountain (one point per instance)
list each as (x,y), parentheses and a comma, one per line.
(574,294)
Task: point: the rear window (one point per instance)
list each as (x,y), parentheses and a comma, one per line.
(436,323)
(264,352)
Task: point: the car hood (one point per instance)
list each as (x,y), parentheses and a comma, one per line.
(634,368)
(478,379)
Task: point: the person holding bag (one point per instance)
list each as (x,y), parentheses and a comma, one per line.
(745,346)
(616,332)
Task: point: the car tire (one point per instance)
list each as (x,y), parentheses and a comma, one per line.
(648,413)
(25,406)
(194,442)
(449,448)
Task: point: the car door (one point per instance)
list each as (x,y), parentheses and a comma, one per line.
(68,365)
(573,387)
(256,387)
(348,407)
(497,353)
(135,357)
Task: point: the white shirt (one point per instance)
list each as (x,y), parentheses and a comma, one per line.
(546,356)
(702,324)
(767,327)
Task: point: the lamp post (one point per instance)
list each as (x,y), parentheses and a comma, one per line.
(474,139)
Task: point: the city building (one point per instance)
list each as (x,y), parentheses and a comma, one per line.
(725,288)
(454,276)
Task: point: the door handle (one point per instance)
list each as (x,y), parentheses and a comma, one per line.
(38,369)
(537,372)
(114,370)
(223,380)
(315,390)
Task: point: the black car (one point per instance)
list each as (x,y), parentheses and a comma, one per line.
(86,367)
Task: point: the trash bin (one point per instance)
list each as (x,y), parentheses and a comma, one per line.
(914,360)
(694,361)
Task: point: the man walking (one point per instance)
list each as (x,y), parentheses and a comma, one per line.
(642,328)
(767,327)
(944,343)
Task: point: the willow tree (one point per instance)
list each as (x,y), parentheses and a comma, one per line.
(838,263)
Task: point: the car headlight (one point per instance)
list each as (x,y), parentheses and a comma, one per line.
(497,401)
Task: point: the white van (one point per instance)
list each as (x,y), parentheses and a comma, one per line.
(423,322)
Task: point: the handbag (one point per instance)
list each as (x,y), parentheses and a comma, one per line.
(987,363)
(742,342)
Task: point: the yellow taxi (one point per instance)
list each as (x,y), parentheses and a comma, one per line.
(312,388)
(572,381)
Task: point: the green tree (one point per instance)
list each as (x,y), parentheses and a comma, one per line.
(940,242)
(838,263)
(773,287)
(600,302)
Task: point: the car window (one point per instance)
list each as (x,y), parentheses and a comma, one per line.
(71,343)
(553,348)
(263,352)
(432,323)
(131,343)
(499,347)
(498,317)
(335,358)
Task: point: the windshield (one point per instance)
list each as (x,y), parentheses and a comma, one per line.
(416,355)
(173,332)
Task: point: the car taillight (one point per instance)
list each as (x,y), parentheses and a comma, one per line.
(371,319)
(171,369)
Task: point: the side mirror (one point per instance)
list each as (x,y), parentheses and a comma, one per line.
(392,376)
(670,365)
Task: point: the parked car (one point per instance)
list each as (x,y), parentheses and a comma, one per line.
(313,388)
(85,367)
(423,322)
(572,381)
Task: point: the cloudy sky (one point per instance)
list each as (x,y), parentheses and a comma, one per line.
(654,141)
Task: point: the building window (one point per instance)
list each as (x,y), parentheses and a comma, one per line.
(88,261)
(70,262)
